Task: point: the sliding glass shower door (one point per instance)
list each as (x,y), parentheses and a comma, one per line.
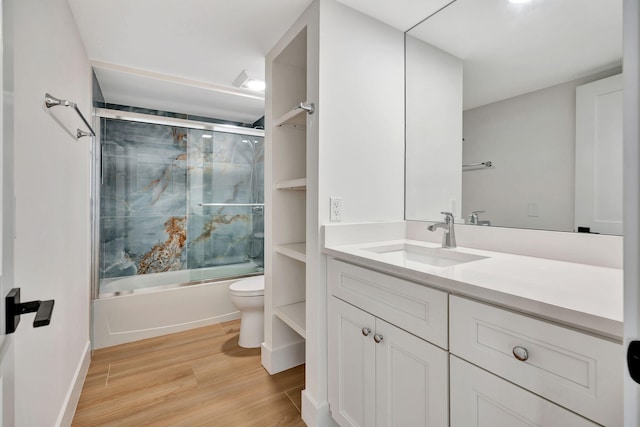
(174,198)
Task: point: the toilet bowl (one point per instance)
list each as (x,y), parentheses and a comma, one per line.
(248,297)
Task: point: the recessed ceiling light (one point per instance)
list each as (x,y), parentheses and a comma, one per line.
(519,1)
(247,82)
(255,84)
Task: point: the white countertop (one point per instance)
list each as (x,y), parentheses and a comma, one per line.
(586,297)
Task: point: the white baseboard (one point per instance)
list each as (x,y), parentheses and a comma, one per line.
(315,414)
(70,404)
(283,358)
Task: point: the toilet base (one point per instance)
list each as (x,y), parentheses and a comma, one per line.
(251,329)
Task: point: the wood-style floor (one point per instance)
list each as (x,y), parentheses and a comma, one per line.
(195,378)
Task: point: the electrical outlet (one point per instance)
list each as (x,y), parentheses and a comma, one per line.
(532,209)
(336,209)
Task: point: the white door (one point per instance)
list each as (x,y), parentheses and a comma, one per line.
(351,365)
(6,217)
(412,379)
(598,198)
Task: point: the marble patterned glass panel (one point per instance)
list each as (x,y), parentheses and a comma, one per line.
(155,180)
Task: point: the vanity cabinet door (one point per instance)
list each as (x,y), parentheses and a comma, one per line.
(351,365)
(412,380)
(381,375)
(480,399)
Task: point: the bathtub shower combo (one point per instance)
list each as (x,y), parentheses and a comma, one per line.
(180,203)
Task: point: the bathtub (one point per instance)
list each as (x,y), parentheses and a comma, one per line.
(145,306)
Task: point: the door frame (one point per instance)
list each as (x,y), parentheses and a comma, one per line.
(631,177)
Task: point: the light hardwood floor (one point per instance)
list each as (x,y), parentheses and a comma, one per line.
(200,377)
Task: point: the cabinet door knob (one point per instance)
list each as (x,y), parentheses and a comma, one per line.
(520,353)
(366,331)
(377,338)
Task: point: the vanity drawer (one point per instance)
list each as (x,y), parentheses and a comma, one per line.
(578,371)
(418,309)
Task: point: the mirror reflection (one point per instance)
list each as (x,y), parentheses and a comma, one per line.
(524,102)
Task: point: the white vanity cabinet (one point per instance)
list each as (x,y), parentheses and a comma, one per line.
(380,374)
(405,354)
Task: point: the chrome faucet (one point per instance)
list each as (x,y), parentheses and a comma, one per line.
(474,218)
(449,236)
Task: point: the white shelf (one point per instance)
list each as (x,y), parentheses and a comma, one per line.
(299,184)
(294,316)
(296,251)
(296,117)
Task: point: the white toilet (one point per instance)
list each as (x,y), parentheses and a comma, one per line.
(248,297)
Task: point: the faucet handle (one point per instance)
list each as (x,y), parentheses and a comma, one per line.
(448,216)
(477,212)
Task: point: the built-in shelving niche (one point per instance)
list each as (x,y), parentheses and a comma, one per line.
(296,117)
(299,184)
(294,316)
(286,202)
(296,251)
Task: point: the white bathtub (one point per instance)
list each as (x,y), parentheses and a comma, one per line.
(151,305)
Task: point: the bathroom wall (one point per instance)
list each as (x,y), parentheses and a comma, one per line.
(52,244)
(531,141)
(362,115)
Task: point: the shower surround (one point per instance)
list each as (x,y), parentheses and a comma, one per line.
(157,187)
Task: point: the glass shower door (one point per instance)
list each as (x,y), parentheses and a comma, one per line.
(225,196)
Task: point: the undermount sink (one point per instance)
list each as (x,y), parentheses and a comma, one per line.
(410,255)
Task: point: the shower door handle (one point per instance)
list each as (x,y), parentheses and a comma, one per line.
(14,309)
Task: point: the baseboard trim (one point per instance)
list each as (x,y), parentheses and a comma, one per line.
(314,414)
(283,358)
(70,404)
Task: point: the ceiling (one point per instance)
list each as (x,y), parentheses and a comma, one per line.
(183,56)
(168,54)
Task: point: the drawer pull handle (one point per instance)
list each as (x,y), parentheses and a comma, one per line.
(377,338)
(366,331)
(520,353)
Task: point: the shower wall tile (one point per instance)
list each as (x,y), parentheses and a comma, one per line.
(218,239)
(139,245)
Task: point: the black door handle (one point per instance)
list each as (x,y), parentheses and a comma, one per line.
(633,360)
(14,308)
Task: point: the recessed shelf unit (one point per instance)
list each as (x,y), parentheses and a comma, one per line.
(297,251)
(299,184)
(294,316)
(287,200)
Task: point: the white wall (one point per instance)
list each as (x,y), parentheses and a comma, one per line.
(361,107)
(52,213)
(434,132)
(530,139)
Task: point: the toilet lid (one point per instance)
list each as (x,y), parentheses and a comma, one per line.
(251,286)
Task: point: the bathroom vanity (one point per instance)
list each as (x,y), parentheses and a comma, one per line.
(420,335)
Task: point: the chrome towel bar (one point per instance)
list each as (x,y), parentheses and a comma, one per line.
(485,164)
(230,204)
(52,101)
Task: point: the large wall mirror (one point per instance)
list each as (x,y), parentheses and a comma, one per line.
(514,115)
